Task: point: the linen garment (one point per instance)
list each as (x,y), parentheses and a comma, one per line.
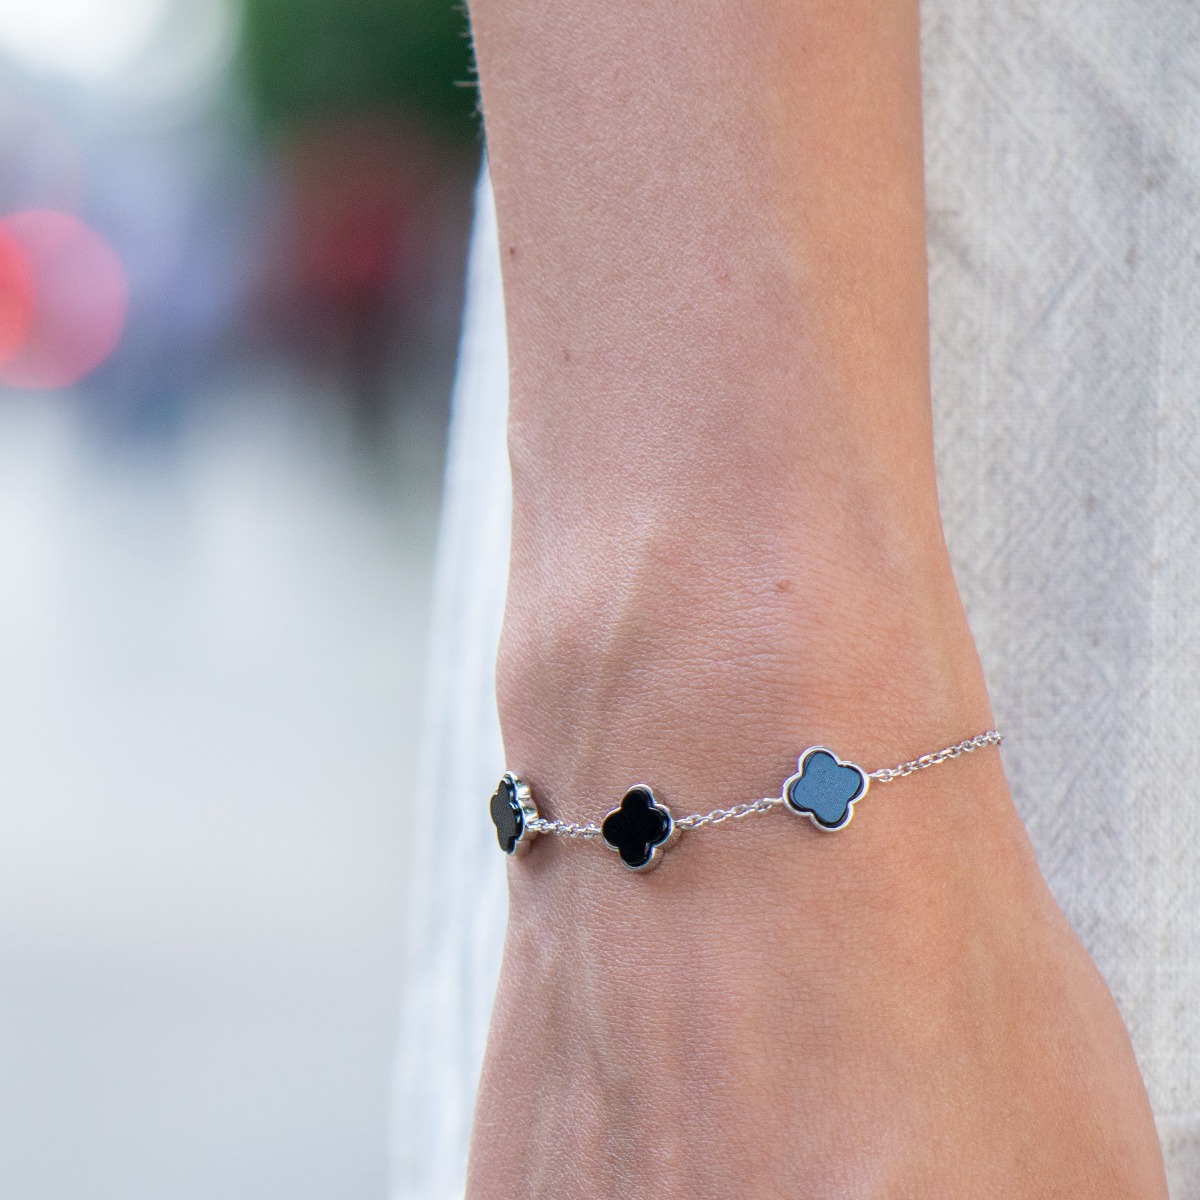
(1063,199)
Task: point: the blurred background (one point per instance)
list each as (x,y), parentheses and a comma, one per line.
(232,236)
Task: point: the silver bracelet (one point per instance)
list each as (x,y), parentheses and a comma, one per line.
(824,789)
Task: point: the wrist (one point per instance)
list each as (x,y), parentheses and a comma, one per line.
(705,668)
(732,980)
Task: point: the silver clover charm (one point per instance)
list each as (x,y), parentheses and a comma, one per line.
(825,789)
(639,829)
(512,810)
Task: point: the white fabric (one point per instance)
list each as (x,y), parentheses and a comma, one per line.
(459,901)
(1062,159)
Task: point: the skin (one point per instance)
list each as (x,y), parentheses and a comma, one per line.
(726,547)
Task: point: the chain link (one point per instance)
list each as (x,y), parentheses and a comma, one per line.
(887,774)
(737,811)
(565,828)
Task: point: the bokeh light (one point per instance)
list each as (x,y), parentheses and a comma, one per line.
(169,51)
(16,297)
(76,296)
(89,39)
(192,46)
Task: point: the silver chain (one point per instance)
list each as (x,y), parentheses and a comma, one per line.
(887,774)
(718,816)
(565,828)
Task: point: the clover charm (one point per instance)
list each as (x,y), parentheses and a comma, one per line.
(824,788)
(512,809)
(639,829)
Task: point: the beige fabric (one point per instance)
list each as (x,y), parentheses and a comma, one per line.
(1062,146)
(1062,150)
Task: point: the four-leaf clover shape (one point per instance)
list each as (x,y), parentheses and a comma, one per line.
(638,829)
(512,809)
(824,788)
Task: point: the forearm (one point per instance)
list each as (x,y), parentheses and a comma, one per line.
(725,517)
(726,547)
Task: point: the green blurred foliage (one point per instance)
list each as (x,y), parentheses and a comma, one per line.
(307,58)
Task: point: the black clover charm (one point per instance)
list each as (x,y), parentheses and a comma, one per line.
(824,788)
(639,829)
(512,809)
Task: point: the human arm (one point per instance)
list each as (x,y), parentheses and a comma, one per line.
(727,546)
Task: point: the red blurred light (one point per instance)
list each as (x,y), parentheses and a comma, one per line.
(78,300)
(16,297)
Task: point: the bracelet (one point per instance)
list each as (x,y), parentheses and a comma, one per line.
(824,789)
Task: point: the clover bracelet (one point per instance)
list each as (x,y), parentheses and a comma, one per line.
(824,789)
